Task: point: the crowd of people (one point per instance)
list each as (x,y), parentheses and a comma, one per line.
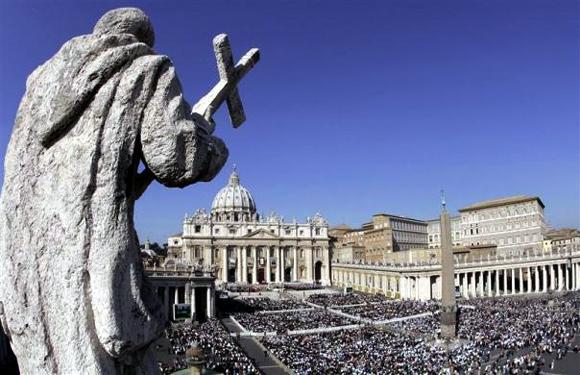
(291,321)
(369,350)
(390,309)
(498,336)
(426,326)
(222,353)
(268,304)
(337,300)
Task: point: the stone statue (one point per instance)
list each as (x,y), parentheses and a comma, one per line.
(73,296)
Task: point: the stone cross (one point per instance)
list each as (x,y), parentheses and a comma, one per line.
(227,88)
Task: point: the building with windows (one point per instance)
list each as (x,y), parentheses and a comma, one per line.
(242,246)
(385,234)
(514,224)
(434,228)
(561,239)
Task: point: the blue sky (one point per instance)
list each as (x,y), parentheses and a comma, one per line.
(357,107)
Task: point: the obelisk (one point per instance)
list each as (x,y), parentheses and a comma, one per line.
(448,307)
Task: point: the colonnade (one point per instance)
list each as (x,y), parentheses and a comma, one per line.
(518,280)
(200,298)
(501,280)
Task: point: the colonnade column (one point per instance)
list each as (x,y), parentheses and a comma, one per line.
(529,278)
(192,303)
(225,265)
(176,299)
(513,281)
(295,264)
(537,279)
(255,265)
(166,301)
(187,294)
(560,277)
(567,277)
(497,282)
(544,278)
(473,284)
(489,291)
(505,288)
(480,283)
(210,302)
(521,280)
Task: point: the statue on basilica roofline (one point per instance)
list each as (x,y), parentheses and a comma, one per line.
(73,295)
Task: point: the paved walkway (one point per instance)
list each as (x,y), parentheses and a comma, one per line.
(255,350)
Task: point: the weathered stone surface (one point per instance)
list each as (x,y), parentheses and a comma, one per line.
(75,300)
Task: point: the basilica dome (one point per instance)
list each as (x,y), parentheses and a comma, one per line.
(233,201)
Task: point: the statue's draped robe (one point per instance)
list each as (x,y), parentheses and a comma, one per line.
(71,278)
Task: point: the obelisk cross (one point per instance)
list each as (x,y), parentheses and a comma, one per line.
(227,88)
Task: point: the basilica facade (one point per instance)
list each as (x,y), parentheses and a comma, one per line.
(242,246)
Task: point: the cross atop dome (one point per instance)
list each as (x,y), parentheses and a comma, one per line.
(234,177)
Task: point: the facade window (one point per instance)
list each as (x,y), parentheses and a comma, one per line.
(232,231)
(271,230)
(217,230)
(249,231)
(288,231)
(317,231)
(197,229)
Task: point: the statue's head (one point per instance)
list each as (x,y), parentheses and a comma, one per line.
(126,21)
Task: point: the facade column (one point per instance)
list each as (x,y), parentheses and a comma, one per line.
(537,279)
(207,256)
(513,272)
(176,299)
(575,275)
(326,260)
(497,282)
(278,261)
(225,265)
(295,264)
(268,265)
(239,265)
(255,265)
(529,279)
(567,278)
(192,303)
(552,277)
(489,289)
(521,280)
(244,264)
(481,284)
(560,277)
